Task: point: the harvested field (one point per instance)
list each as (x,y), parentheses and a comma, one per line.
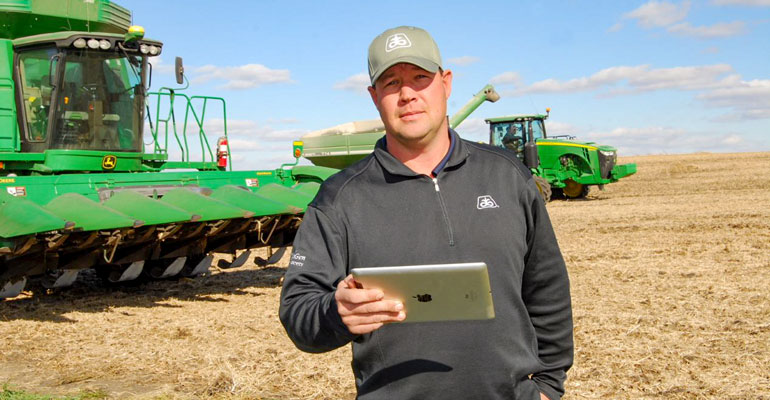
(670,272)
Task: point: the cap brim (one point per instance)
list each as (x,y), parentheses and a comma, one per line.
(423,63)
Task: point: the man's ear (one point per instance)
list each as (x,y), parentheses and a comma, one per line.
(446,79)
(373,94)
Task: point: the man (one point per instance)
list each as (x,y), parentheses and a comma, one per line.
(417,200)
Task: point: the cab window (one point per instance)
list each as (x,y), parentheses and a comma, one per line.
(34,68)
(99,106)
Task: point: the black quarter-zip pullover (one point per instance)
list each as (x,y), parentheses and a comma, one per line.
(481,206)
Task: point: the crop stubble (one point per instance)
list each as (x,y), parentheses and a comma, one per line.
(670,271)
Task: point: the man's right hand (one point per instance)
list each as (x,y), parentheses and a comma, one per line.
(364,310)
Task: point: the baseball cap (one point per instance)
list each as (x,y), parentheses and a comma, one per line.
(405,44)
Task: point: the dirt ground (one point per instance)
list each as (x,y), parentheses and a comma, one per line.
(670,272)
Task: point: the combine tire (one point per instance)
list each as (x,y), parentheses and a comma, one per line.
(543,187)
(575,190)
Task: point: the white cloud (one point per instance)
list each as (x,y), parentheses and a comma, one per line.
(464,60)
(687,78)
(161,67)
(506,78)
(555,128)
(241,145)
(748,99)
(640,78)
(666,140)
(252,145)
(758,3)
(234,126)
(282,121)
(249,130)
(614,28)
(241,77)
(475,129)
(719,87)
(664,14)
(722,29)
(356,83)
(659,13)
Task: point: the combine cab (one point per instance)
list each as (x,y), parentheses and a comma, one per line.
(82,185)
(342,145)
(560,165)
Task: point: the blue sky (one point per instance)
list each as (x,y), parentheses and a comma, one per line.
(652,77)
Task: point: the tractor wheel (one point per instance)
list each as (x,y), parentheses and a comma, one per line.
(575,190)
(543,187)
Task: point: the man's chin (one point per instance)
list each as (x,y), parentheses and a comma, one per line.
(412,131)
(412,137)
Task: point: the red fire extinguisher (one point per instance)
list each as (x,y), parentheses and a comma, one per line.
(222,152)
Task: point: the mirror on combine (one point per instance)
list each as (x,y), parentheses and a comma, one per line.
(179,70)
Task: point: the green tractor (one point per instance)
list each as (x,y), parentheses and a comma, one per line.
(83,184)
(560,165)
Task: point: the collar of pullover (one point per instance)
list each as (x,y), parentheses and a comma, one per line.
(458,152)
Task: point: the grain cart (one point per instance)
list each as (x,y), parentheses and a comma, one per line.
(342,145)
(560,164)
(83,183)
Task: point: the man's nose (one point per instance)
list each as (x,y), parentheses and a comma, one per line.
(406,93)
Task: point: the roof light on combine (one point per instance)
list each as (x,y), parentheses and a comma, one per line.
(93,44)
(154,50)
(144,48)
(79,43)
(104,44)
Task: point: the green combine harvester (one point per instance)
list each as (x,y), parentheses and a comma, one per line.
(82,185)
(560,164)
(342,145)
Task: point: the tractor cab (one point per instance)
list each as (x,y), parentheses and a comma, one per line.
(518,133)
(83,91)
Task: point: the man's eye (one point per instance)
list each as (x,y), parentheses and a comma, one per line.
(391,83)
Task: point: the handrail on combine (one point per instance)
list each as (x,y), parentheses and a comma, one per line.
(190,110)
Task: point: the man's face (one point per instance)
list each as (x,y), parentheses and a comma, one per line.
(412,102)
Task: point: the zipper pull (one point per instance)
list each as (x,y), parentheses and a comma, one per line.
(435,183)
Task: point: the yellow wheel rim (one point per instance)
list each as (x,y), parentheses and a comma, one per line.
(573,189)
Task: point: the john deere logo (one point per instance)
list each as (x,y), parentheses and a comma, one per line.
(109,161)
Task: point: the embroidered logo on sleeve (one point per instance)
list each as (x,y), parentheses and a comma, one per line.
(486,201)
(297,260)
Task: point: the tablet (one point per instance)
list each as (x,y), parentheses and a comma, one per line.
(439,292)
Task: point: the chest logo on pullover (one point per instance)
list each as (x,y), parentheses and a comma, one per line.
(486,201)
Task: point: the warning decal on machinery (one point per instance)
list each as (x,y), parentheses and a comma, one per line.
(17,190)
(252,182)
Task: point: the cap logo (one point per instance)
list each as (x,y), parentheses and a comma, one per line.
(397,41)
